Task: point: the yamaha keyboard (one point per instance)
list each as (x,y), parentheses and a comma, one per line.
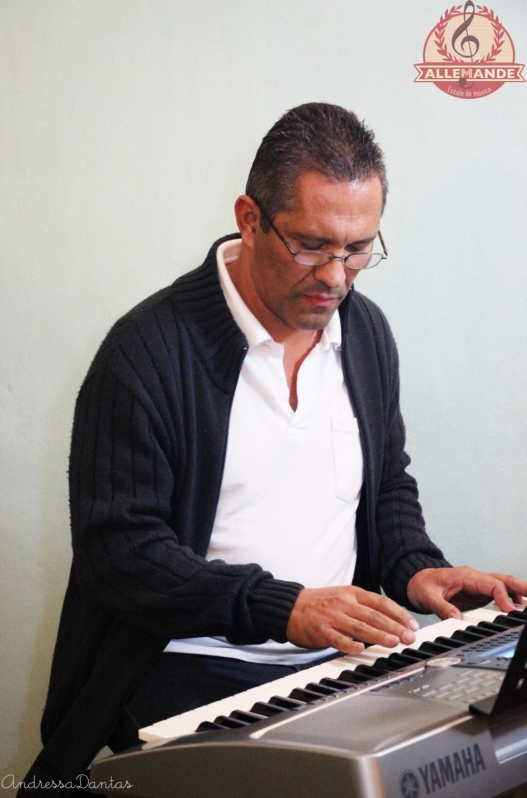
(410,722)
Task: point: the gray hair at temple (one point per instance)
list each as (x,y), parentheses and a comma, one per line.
(315,137)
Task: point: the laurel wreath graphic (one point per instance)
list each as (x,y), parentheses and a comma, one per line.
(482,11)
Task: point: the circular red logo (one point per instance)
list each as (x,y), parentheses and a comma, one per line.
(469,54)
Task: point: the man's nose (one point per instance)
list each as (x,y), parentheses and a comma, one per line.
(334,274)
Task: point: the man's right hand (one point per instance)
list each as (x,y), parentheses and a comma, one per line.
(339,617)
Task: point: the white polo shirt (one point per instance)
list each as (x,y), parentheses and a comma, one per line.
(292,479)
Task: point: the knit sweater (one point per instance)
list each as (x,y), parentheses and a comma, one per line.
(148,449)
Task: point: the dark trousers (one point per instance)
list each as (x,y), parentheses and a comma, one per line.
(177,683)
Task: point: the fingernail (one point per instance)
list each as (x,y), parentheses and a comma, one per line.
(453,615)
(408,637)
(414,625)
(391,640)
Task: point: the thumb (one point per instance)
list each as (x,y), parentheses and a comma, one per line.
(443,609)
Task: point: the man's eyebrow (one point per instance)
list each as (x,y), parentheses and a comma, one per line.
(298,236)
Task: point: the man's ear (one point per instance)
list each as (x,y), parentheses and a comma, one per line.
(247,218)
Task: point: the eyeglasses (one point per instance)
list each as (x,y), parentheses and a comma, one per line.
(312,258)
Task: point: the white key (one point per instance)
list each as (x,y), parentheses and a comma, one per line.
(189,721)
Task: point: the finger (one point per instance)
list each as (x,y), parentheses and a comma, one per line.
(442,608)
(517,588)
(502,598)
(373,627)
(343,643)
(387,608)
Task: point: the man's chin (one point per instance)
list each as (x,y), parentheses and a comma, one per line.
(316,319)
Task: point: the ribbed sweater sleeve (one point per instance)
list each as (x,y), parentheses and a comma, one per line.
(126,475)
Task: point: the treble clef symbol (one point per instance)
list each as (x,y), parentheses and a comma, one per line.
(468,39)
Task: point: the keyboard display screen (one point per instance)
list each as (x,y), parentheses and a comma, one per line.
(501,652)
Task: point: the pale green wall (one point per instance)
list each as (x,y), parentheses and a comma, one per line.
(126,131)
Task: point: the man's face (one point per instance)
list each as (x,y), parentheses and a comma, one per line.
(338,217)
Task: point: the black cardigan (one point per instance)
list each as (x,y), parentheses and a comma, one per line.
(146,466)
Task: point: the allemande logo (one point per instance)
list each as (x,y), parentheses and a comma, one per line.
(469,54)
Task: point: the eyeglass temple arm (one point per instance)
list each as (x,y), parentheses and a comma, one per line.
(381,239)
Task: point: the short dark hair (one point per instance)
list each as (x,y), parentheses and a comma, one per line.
(315,137)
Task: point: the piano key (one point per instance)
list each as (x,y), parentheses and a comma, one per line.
(479,630)
(287,702)
(467,637)
(403,660)
(371,671)
(449,642)
(520,616)
(416,653)
(323,689)
(433,648)
(249,717)
(229,722)
(354,678)
(268,710)
(492,627)
(209,725)
(389,664)
(188,722)
(506,620)
(309,696)
(338,684)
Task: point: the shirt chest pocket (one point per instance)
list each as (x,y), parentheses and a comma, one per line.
(347,456)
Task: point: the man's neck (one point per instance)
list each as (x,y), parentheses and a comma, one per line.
(297,342)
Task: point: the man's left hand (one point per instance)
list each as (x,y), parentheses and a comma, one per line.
(448,591)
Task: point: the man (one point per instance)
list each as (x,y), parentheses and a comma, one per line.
(247,414)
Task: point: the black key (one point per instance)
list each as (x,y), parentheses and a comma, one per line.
(338,684)
(229,723)
(478,630)
(352,677)
(506,620)
(403,660)
(287,702)
(447,641)
(388,664)
(372,671)
(433,648)
(208,725)
(414,652)
(518,614)
(492,627)
(308,696)
(248,717)
(323,689)
(261,708)
(466,637)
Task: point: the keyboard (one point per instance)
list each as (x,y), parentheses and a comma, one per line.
(450,633)
(403,723)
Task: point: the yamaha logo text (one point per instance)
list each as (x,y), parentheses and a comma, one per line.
(447,770)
